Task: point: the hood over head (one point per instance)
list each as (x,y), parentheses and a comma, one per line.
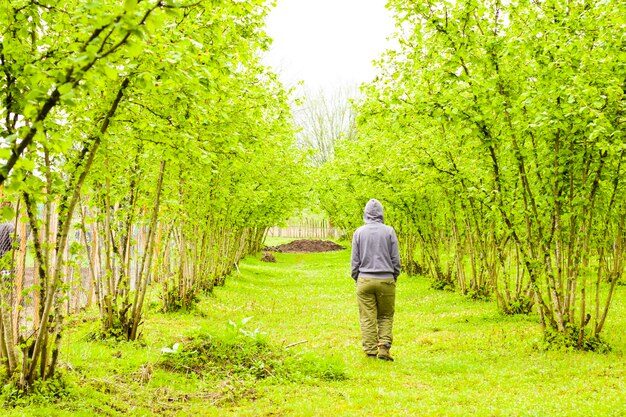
(373,212)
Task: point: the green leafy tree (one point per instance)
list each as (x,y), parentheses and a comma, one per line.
(495,134)
(156,121)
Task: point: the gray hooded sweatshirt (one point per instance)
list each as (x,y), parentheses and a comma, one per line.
(375,246)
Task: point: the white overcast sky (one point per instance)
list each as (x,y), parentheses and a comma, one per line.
(328,44)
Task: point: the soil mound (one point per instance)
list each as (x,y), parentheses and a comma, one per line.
(268,257)
(306,246)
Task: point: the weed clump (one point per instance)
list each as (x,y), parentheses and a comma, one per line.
(268,257)
(481,292)
(571,340)
(40,392)
(520,304)
(442,281)
(247,355)
(173,299)
(223,356)
(411,267)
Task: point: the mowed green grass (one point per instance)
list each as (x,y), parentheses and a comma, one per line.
(454,357)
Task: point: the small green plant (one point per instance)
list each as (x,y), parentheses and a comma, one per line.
(172,300)
(571,340)
(442,283)
(41,392)
(518,305)
(239,328)
(480,292)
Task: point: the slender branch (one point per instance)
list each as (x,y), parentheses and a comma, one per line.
(128,34)
(17,152)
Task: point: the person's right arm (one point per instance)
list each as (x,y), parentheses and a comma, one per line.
(355,261)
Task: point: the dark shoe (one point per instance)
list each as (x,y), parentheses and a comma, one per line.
(371,355)
(383,353)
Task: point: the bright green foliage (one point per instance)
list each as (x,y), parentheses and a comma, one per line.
(150,129)
(495,137)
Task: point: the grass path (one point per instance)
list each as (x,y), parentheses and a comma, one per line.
(454,357)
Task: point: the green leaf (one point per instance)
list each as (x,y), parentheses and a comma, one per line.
(110,72)
(7,213)
(130,5)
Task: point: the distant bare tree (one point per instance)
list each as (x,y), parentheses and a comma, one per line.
(325,118)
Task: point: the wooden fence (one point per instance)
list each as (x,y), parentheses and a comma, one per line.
(307,228)
(21,280)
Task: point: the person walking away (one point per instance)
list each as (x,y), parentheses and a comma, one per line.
(375,265)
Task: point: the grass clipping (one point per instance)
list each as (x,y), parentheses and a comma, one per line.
(248,355)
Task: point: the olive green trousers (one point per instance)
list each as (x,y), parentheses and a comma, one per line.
(376,298)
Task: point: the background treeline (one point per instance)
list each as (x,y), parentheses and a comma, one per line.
(494,136)
(142,142)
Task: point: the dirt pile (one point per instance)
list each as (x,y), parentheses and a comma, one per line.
(268,257)
(305,246)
